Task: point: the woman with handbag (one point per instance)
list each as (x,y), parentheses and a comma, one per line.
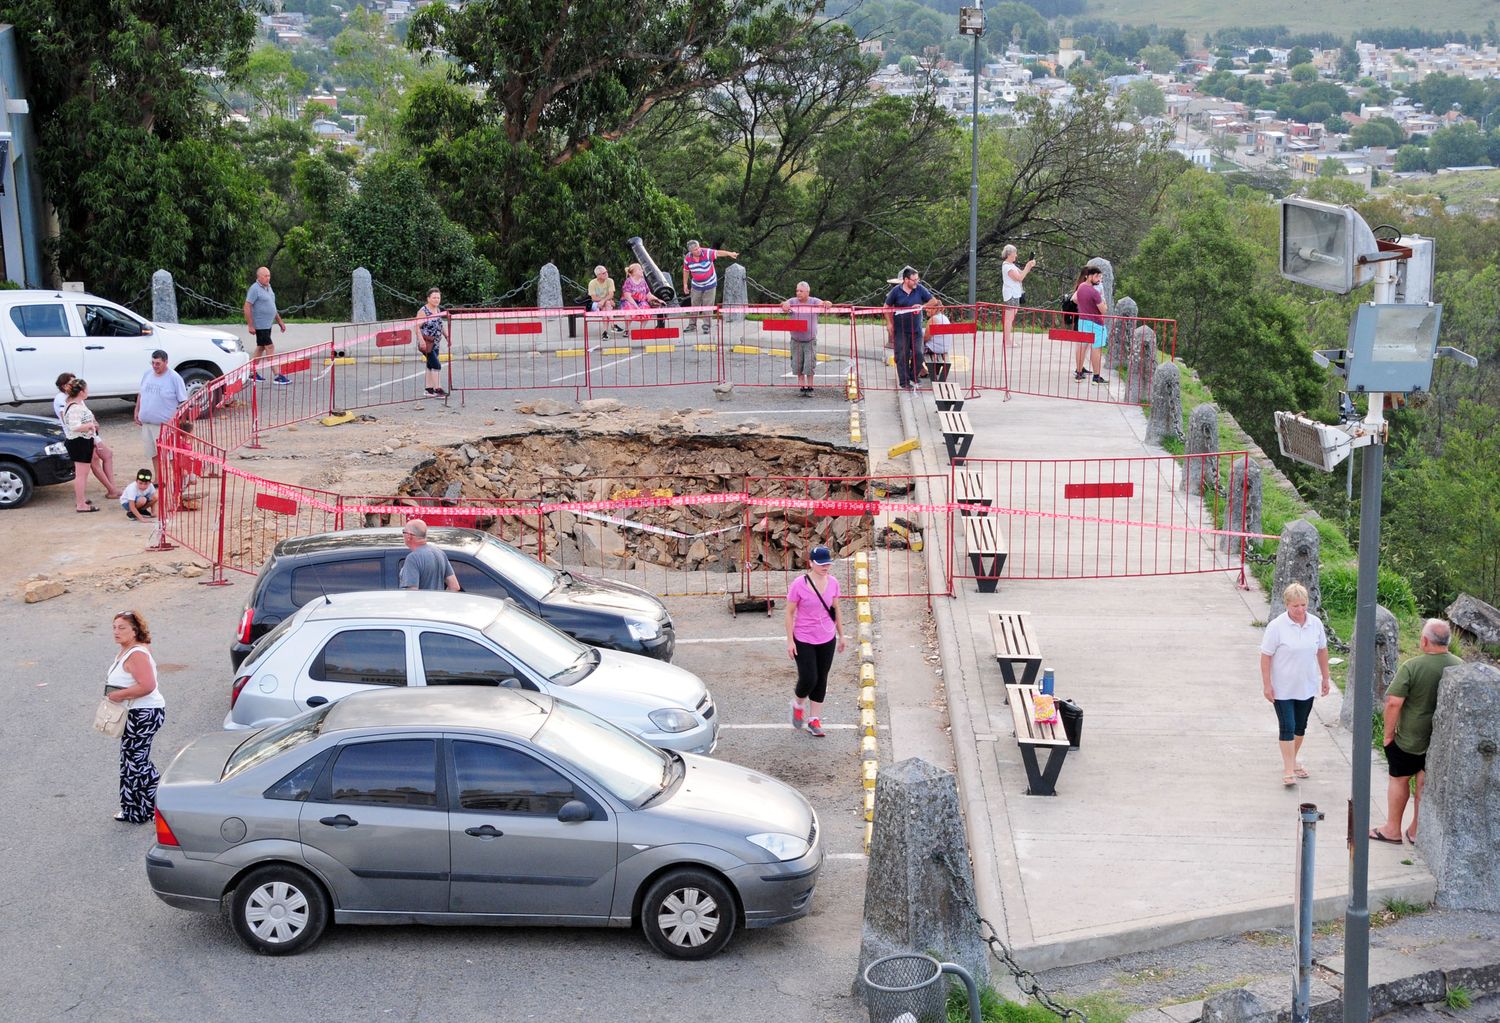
(813,627)
(81,437)
(430,341)
(131,682)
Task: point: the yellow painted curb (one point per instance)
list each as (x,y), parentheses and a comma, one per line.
(746,350)
(657,349)
(862,559)
(868,748)
(865,632)
(869,769)
(483,356)
(862,591)
(343,360)
(570,353)
(855,437)
(866,652)
(869,834)
(614,351)
(862,575)
(867,723)
(867,674)
(705,348)
(896,450)
(388,360)
(785,352)
(338,420)
(862,610)
(867,697)
(869,804)
(823,358)
(445,358)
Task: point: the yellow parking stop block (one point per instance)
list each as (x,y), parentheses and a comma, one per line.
(863,613)
(866,651)
(868,748)
(745,350)
(342,360)
(483,356)
(658,349)
(897,450)
(570,353)
(869,804)
(862,559)
(867,697)
(867,674)
(862,591)
(705,348)
(615,351)
(869,835)
(338,419)
(867,723)
(868,771)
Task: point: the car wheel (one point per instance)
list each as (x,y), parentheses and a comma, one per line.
(278,910)
(689,914)
(15,485)
(200,399)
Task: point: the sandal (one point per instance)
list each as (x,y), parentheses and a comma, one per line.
(1376,836)
(85,511)
(1301,772)
(1288,780)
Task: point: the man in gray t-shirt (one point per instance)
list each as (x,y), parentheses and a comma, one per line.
(426,567)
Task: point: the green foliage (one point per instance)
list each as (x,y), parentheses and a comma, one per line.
(995,1009)
(1410,158)
(1458,998)
(1158,58)
(1378,131)
(1145,99)
(1340,585)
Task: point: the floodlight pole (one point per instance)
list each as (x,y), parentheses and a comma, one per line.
(974,178)
(1357,913)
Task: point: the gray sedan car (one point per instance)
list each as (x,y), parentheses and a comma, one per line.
(476,806)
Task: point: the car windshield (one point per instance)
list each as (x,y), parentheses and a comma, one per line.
(264,644)
(533,577)
(630,768)
(275,740)
(556,656)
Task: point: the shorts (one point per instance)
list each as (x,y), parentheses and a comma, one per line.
(80,449)
(149,431)
(1100,332)
(431,360)
(1014,303)
(262,337)
(1291,718)
(1402,764)
(601,307)
(804,358)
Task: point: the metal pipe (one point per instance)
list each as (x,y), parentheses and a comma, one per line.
(974,186)
(973,989)
(1306,855)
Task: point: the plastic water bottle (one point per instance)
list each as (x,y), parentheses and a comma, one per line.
(1046,681)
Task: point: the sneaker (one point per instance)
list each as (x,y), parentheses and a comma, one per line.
(1079,374)
(280,378)
(1099,379)
(259,379)
(796,714)
(815,729)
(438,392)
(707,329)
(146,515)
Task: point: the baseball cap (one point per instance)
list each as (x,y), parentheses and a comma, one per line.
(821,556)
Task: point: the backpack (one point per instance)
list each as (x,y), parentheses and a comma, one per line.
(1070,312)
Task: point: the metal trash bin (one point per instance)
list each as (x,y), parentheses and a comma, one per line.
(1072,722)
(908,987)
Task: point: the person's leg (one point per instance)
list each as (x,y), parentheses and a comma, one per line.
(822,662)
(1301,711)
(1416,806)
(80,483)
(1097,354)
(104,469)
(149,432)
(138,775)
(1286,735)
(903,358)
(807,677)
(1008,318)
(1397,791)
(1079,351)
(706,297)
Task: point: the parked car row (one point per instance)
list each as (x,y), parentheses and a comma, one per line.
(517,754)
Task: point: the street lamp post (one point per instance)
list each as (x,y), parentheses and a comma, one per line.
(971,23)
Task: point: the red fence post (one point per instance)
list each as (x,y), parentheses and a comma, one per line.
(217,578)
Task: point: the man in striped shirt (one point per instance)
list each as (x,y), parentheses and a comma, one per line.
(699,280)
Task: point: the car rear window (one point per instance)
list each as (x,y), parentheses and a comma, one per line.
(41,320)
(275,740)
(312,581)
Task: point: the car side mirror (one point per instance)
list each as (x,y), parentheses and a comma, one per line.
(573,811)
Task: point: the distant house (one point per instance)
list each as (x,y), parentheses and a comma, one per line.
(1198,156)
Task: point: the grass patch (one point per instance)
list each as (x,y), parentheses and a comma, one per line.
(1269,939)
(994,1009)
(1392,910)
(1459,998)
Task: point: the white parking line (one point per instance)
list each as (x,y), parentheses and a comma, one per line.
(785,724)
(392,383)
(786,412)
(586,372)
(846,856)
(736,639)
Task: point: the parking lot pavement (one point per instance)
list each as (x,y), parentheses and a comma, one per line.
(90,941)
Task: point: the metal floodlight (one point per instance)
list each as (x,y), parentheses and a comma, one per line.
(971,21)
(1312,443)
(1322,245)
(1391,347)
(1415,274)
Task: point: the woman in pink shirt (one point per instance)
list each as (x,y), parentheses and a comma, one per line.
(813,629)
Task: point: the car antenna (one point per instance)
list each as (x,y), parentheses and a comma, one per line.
(321,588)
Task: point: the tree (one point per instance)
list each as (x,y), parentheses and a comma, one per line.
(1331,168)
(272,83)
(1348,66)
(132,159)
(1145,99)
(1303,73)
(1378,131)
(1158,58)
(908,65)
(1458,146)
(1298,55)
(1336,125)
(1410,158)
(1261,56)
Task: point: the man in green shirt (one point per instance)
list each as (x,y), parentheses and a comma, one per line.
(1409,704)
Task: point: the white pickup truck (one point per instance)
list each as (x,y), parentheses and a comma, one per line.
(46,333)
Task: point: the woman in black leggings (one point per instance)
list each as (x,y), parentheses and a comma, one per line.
(813,629)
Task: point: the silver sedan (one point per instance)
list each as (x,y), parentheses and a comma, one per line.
(351,642)
(476,806)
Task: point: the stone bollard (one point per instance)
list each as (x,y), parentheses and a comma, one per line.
(549,293)
(163,297)
(1475,623)
(1166,404)
(736,293)
(1141,359)
(919,896)
(1243,504)
(1203,439)
(1297,561)
(1107,285)
(362,297)
(1387,653)
(1121,331)
(1461,800)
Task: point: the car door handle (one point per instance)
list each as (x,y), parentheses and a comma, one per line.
(488,831)
(93,348)
(25,349)
(316,701)
(342,821)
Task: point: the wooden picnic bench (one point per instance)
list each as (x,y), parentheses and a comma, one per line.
(949,397)
(1016,643)
(937,366)
(987,550)
(957,434)
(1031,736)
(970,491)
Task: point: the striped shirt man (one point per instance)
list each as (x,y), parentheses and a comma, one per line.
(699,280)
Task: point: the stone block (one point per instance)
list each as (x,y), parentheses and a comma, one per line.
(1166,404)
(736,294)
(1202,439)
(361,297)
(1142,364)
(38,590)
(1475,621)
(1297,561)
(1387,653)
(1121,332)
(163,297)
(1462,799)
(1270,1001)
(1396,979)
(1183,1012)
(1242,503)
(919,896)
(1473,965)
(549,293)
(1107,284)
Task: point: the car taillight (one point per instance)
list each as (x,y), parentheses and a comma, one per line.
(246,620)
(234,692)
(164,834)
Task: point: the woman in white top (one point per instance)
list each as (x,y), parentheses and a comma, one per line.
(89,453)
(132,681)
(1012,286)
(1293,655)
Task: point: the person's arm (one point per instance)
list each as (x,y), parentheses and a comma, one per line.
(249,317)
(838,621)
(451,580)
(280,322)
(1265,678)
(731,255)
(139,669)
(791,624)
(137,414)
(407,579)
(685,282)
(826,304)
(786,305)
(1323,669)
(1392,717)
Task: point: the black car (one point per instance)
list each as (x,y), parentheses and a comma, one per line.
(31,455)
(596,611)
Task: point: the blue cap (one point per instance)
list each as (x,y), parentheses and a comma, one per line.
(821,556)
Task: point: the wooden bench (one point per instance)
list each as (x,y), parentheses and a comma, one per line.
(937,366)
(949,397)
(957,434)
(1030,736)
(987,551)
(970,491)
(1015,643)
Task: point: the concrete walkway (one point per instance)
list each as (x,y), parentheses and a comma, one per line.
(1171,822)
